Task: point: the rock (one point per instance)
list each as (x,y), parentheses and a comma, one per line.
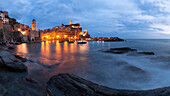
(72,85)
(107,39)
(21,58)
(3,91)
(113,39)
(10,63)
(10,47)
(31,80)
(140,53)
(120,50)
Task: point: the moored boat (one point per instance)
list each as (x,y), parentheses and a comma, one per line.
(81,42)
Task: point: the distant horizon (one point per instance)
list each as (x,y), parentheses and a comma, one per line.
(109,18)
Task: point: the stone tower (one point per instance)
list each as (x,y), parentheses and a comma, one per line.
(70,22)
(34,25)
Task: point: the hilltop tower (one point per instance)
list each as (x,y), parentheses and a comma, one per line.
(34,25)
(70,22)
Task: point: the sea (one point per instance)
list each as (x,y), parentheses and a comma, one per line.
(119,71)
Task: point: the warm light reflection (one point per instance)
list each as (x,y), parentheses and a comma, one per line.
(83,48)
(42,47)
(45,48)
(58,48)
(65,47)
(22,48)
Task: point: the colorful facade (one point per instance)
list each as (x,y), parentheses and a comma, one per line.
(71,31)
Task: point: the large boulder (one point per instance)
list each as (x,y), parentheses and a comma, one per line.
(9,62)
(72,85)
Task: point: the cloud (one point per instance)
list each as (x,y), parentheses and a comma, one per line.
(125,18)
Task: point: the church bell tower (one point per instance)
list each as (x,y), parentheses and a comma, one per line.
(34,25)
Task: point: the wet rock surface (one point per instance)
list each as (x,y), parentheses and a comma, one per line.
(72,85)
(130,51)
(31,80)
(120,50)
(9,62)
(20,58)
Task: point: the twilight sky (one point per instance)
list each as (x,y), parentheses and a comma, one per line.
(122,18)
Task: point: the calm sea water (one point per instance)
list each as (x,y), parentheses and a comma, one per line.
(113,70)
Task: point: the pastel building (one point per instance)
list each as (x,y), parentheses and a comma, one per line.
(28,34)
(3,17)
(70,31)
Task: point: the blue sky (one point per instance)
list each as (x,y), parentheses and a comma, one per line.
(122,18)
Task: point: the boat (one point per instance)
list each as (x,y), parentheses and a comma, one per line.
(61,41)
(81,42)
(71,41)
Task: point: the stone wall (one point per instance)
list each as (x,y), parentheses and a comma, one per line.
(1,36)
(8,33)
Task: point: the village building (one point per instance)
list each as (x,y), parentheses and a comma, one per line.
(28,34)
(3,17)
(70,31)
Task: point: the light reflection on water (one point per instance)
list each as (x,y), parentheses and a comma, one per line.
(22,48)
(116,71)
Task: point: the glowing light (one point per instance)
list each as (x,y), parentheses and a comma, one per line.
(65,36)
(75,37)
(23,33)
(19,29)
(58,36)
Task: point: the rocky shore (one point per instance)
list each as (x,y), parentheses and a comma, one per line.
(108,39)
(72,85)
(9,62)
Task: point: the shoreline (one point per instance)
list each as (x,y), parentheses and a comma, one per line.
(127,94)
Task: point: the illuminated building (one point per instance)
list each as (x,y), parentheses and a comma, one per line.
(70,31)
(71,22)
(28,34)
(34,25)
(84,34)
